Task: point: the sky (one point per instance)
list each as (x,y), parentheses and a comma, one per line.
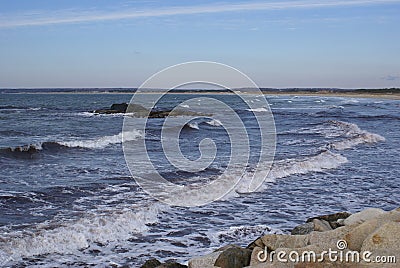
(293,43)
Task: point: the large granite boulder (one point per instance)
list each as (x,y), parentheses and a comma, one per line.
(234,257)
(363,216)
(206,261)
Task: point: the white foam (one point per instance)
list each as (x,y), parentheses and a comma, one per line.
(70,237)
(214,123)
(287,167)
(241,233)
(103,142)
(355,136)
(257,110)
(193,125)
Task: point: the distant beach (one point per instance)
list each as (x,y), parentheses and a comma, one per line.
(393,94)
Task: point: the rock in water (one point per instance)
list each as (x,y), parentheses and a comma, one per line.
(335,220)
(120,107)
(152,263)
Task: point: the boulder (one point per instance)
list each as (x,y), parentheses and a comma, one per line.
(335,220)
(120,107)
(303,229)
(234,257)
(384,241)
(363,216)
(274,241)
(206,261)
(152,263)
(171,265)
(321,225)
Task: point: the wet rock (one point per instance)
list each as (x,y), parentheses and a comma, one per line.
(171,265)
(152,263)
(335,220)
(120,107)
(234,257)
(303,229)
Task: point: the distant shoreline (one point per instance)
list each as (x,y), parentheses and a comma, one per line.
(344,94)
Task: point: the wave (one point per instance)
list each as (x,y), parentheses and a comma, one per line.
(356,136)
(192,125)
(288,167)
(258,110)
(214,123)
(241,233)
(69,237)
(99,143)
(103,142)
(12,108)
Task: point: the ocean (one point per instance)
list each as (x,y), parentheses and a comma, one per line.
(67,197)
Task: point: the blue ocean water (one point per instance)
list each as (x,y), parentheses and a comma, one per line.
(67,197)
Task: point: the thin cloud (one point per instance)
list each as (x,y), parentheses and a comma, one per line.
(391,78)
(61,17)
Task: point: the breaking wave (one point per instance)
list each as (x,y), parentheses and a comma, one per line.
(258,110)
(98,143)
(72,236)
(287,167)
(214,123)
(355,136)
(103,142)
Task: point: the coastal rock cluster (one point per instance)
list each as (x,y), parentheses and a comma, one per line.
(370,238)
(140,111)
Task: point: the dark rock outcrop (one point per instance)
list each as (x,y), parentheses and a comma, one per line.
(140,111)
(321,223)
(234,257)
(152,263)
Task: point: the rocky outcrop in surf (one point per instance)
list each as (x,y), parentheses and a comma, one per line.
(140,111)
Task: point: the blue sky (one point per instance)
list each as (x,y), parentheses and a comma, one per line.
(293,43)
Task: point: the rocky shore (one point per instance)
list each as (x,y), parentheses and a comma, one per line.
(369,238)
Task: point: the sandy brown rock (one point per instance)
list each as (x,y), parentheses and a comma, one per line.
(362,216)
(321,225)
(206,261)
